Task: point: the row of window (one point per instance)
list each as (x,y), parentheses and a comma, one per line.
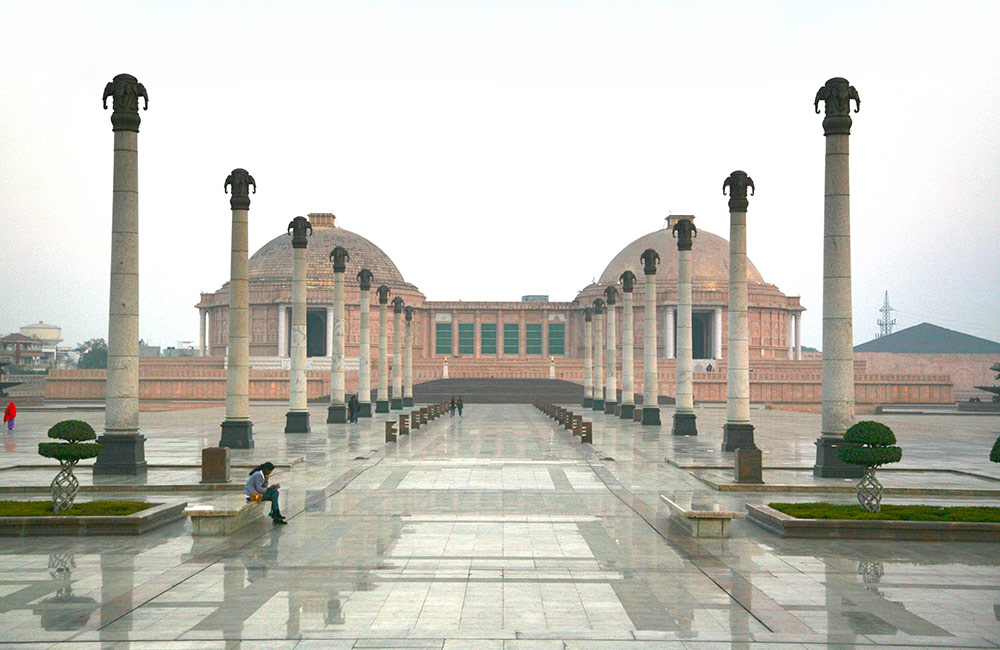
(488,338)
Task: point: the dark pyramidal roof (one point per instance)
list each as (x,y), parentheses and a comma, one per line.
(930,339)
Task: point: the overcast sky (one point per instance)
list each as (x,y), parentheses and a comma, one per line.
(500,149)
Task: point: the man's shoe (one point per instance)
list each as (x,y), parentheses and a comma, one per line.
(279,521)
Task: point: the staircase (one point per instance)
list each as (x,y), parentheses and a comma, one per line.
(498,391)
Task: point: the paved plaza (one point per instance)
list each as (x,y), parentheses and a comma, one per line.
(500,530)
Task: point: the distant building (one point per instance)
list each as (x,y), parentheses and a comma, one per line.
(146,350)
(928,349)
(49,335)
(535,298)
(21,350)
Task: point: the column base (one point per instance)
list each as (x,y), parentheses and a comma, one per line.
(828,463)
(336,414)
(237,434)
(598,405)
(637,414)
(122,454)
(297,422)
(651,415)
(748,465)
(364,409)
(737,436)
(627,411)
(685,424)
(396,403)
(407,401)
(588,402)
(609,408)
(382,406)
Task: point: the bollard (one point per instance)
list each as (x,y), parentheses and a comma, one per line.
(637,414)
(568,423)
(577,425)
(414,419)
(423,414)
(404,425)
(215,465)
(587,433)
(390,431)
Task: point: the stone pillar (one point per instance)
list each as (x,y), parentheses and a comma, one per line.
(283,326)
(382,396)
(611,389)
(651,388)
(297,418)
(669,346)
(598,355)
(202,331)
(588,357)
(717,333)
(396,403)
(365,278)
(685,421)
(337,411)
(237,430)
(477,336)
(408,358)
(122,446)
(790,328)
(798,336)
(329,332)
(838,351)
(628,347)
(738,431)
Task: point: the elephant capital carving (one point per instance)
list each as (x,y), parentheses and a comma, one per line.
(684,231)
(365,277)
(628,281)
(837,94)
(397,305)
(125,90)
(238,183)
(383,294)
(598,307)
(300,229)
(588,314)
(339,257)
(650,258)
(610,295)
(408,313)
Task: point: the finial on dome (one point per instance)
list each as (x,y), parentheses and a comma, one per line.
(323,219)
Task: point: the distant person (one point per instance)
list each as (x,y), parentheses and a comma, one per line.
(708,368)
(459,404)
(257,489)
(8,416)
(451,408)
(352,409)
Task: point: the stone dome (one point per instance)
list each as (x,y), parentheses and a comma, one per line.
(709,259)
(272,263)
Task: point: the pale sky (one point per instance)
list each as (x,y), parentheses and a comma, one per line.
(500,149)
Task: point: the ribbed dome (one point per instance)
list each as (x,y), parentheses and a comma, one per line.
(709,259)
(272,264)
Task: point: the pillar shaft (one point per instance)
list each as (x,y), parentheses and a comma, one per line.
(628,348)
(297,389)
(408,361)
(685,364)
(588,362)
(798,336)
(397,359)
(365,348)
(717,333)
(283,338)
(649,370)
(612,359)
(337,357)
(599,359)
(669,345)
(382,394)
(238,361)
(790,328)
(738,368)
(202,331)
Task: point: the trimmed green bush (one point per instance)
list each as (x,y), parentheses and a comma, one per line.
(69,451)
(995,452)
(89,509)
(75,432)
(869,444)
(72,431)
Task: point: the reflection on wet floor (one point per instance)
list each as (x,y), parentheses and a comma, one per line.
(498,530)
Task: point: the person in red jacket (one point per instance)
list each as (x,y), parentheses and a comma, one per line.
(8,416)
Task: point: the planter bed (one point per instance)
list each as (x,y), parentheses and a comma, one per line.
(784,525)
(159,514)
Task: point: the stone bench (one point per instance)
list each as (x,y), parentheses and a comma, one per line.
(700,517)
(225,515)
(390,431)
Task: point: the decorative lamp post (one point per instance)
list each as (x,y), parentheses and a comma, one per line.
(365,278)
(382,396)
(838,351)
(611,399)
(628,347)
(297,418)
(650,376)
(685,421)
(588,357)
(397,360)
(408,358)
(122,446)
(337,411)
(237,429)
(598,355)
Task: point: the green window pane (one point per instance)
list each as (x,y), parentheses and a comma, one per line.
(511,338)
(488,338)
(466,338)
(557,338)
(533,338)
(442,338)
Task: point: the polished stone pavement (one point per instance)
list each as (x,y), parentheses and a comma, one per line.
(500,530)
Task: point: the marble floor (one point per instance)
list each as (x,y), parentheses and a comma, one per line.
(499,530)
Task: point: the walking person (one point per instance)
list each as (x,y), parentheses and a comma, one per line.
(352,409)
(8,416)
(460,404)
(257,489)
(451,408)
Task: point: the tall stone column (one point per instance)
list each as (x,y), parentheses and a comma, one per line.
(611,389)
(202,331)
(598,355)
(798,337)
(382,396)
(650,375)
(717,333)
(397,358)
(790,328)
(123,448)
(668,341)
(408,358)
(685,421)
(283,337)
(588,357)
(297,418)
(838,351)
(365,278)
(738,431)
(237,429)
(337,411)
(628,347)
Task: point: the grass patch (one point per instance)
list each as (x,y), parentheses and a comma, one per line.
(87,509)
(822,510)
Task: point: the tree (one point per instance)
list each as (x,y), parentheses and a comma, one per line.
(94,354)
(76,433)
(995,452)
(871,445)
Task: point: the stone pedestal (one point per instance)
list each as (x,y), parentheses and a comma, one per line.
(685,424)
(365,409)
(627,411)
(748,466)
(297,422)
(828,463)
(737,435)
(215,465)
(237,434)
(121,454)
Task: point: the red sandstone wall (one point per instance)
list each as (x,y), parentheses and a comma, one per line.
(966,370)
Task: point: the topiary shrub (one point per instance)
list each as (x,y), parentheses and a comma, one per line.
(76,433)
(995,452)
(871,445)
